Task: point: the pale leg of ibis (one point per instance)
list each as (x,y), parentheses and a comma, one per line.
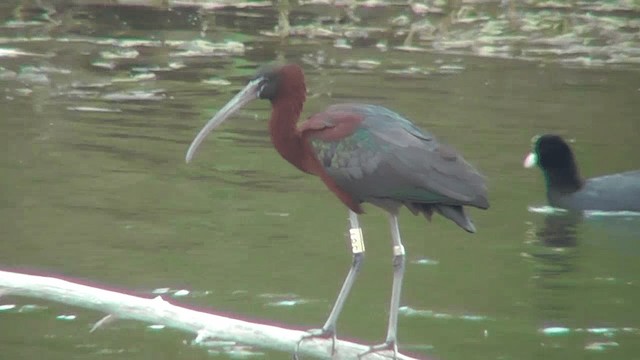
(391,343)
(357,249)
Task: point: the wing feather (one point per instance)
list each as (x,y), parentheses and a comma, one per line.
(386,156)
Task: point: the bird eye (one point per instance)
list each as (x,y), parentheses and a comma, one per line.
(267,88)
(261,87)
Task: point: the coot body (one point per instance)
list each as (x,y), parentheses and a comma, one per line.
(568,190)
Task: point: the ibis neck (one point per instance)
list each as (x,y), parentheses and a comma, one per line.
(296,149)
(284,132)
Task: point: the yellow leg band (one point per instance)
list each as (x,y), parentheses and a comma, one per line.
(357,241)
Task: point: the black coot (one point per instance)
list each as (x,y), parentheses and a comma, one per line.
(568,190)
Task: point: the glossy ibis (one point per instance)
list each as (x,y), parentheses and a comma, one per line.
(362,153)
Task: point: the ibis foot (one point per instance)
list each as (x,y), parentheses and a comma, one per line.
(386,346)
(317,333)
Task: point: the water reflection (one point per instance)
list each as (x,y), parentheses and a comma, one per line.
(560,230)
(555,256)
(573,272)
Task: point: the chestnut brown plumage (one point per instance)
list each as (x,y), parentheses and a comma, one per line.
(362,153)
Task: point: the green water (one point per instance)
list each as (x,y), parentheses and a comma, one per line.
(100,104)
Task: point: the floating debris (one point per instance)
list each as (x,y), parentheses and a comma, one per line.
(284,300)
(602,331)
(213,343)
(232,350)
(109,65)
(175,65)
(181,293)
(408,311)
(425,261)
(546,210)
(552,5)
(120,54)
(136,43)
(285,303)
(450,69)
(601,346)
(217,81)
(555,330)
(155,95)
(279,214)
(605,331)
(410,71)
(92,109)
(207,48)
(243,352)
(361,64)
(410,48)
(24,92)
(21,24)
(342,44)
(368,64)
(12,53)
(136,77)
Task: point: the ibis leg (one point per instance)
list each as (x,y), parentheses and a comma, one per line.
(357,249)
(391,342)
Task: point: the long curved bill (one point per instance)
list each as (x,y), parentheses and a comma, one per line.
(246,95)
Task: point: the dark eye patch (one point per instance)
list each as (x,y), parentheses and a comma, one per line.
(269,87)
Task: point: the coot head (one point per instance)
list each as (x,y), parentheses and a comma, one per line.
(556,160)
